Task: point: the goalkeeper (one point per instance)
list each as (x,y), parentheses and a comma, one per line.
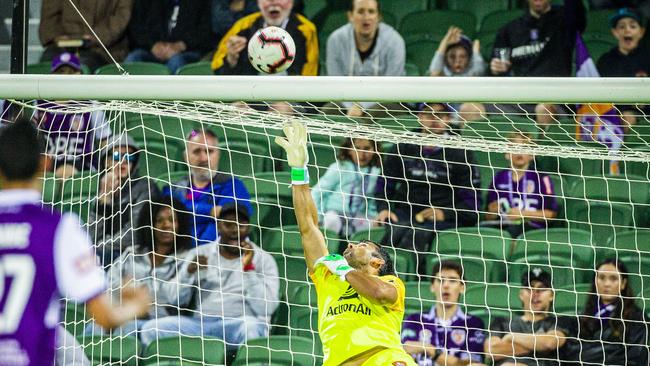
(360,300)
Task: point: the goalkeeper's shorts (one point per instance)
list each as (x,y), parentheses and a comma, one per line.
(390,357)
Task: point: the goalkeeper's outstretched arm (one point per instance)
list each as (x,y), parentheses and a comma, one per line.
(295,145)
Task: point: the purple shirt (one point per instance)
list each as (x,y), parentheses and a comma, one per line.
(43,255)
(462,336)
(71,136)
(532,192)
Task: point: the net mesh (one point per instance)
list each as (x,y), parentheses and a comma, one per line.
(591,163)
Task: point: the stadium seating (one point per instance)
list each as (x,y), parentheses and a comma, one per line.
(420,53)
(492,296)
(630,242)
(287,240)
(271,199)
(476,269)
(279,350)
(561,269)
(303,322)
(375,234)
(571,300)
(574,244)
(419,298)
(492,22)
(134,68)
(598,21)
(185,350)
(479,8)
(313,7)
(480,242)
(436,22)
(242,159)
(105,350)
(197,68)
(602,219)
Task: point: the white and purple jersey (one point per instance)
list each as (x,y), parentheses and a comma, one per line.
(71,136)
(43,256)
(532,192)
(461,336)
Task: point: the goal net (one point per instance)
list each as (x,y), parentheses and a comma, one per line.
(517,192)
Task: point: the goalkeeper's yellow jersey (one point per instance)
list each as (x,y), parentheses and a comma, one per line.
(350,324)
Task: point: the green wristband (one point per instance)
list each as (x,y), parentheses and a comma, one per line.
(299,176)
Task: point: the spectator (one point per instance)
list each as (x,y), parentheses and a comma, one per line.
(535,337)
(231,57)
(612,330)
(72,139)
(62,26)
(341,195)
(430,188)
(457,55)
(174,33)
(365,47)
(539,43)
(445,335)
(226,12)
(121,196)
(236,282)
(628,59)
(642,5)
(207,189)
(162,239)
(520,197)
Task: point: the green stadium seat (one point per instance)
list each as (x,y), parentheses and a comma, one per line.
(487,44)
(638,266)
(489,164)
(643,300)
(313,7)
(271,199)
(630,242)
(375,234)
(242,159)
(584,167)
(476,269)
(287,240)
(492,296)
(303,322)
(562,270)
(134,68)
(480,242)
(487,316)
(571,300)
(157,157)
(598,47)
(304,294)
(420,53)
(333,20)
(419,298)
(401,8)
(480,8)
(279,350)
(292,272)
(602,219)
(492,22)
(437,22)
(143,126)
(197,68)
(185,350)
(104,350)
(574,244)
(322,153)
(412,69)
(598,21)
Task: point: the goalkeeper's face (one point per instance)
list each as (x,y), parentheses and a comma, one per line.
(364,256)
(202,156)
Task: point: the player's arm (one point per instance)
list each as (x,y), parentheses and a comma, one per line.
(135,304)
(295,144)
(372,288)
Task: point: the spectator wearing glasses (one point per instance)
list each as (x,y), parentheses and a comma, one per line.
(120,199)
(207,189)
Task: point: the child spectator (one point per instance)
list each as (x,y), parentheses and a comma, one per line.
(457,55)
(534,338)
(72,138)
(162,238)
(343,195)
(612,330)
(628,58)
(120,199)
(445,335)
(520,197)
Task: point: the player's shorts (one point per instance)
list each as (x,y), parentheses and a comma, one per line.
(390,357)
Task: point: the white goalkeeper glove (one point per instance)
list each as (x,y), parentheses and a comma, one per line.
(336,263)
(295,146)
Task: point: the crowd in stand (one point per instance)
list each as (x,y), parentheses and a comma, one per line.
(190,243)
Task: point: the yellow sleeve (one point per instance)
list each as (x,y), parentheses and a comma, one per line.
(319,276)
(222,50)
(308,29)
(401,292)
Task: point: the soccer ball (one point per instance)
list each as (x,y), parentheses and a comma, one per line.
(271,50)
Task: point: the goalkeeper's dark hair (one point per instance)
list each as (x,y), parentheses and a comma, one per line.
(388,268)
(21,148)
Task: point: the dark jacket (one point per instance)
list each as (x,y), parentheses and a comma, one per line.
(543,46)
(417,177)
(616,64)
(150,23)
(111,225)
(301,30)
